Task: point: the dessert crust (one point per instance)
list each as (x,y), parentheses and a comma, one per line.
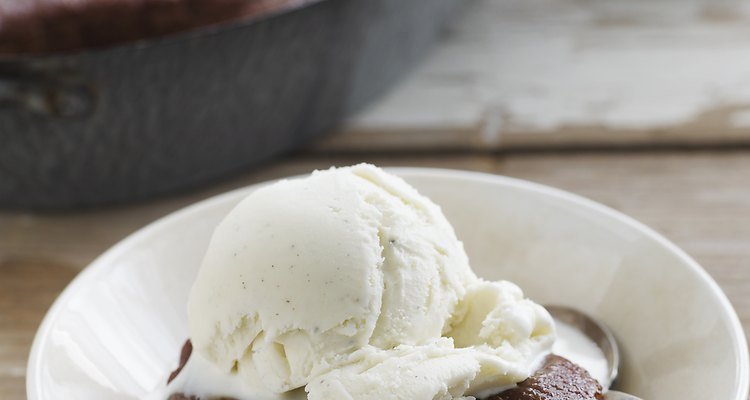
(557,379)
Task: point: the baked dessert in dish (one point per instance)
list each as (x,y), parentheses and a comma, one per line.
(44,26)
(350,284)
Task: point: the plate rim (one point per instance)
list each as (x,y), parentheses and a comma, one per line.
(100,264)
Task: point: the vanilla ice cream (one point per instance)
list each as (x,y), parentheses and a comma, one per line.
(351,283)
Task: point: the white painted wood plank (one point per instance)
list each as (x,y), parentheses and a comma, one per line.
(519,69)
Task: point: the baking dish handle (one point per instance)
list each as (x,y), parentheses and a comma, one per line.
(59,94)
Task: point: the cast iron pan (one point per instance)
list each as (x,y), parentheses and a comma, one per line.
(85,123)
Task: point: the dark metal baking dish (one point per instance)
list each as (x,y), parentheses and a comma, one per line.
(149,117)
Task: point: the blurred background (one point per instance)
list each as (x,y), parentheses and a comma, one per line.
(116,112)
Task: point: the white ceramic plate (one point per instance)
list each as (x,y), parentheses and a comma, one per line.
(116,331)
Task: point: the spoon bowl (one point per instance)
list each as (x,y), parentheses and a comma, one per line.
(602,336)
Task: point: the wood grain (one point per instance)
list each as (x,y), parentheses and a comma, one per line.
(700,200)
(569,73)
(28,286)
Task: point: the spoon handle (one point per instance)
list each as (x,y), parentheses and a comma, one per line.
(615,395)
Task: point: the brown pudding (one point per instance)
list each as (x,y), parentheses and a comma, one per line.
(557,379)
(42,26)
(187,350)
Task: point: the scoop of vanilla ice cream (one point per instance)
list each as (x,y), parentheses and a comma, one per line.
(431,371)
(509,333)
(305,272)
(496,339)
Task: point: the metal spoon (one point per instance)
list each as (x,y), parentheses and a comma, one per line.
(599,334)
